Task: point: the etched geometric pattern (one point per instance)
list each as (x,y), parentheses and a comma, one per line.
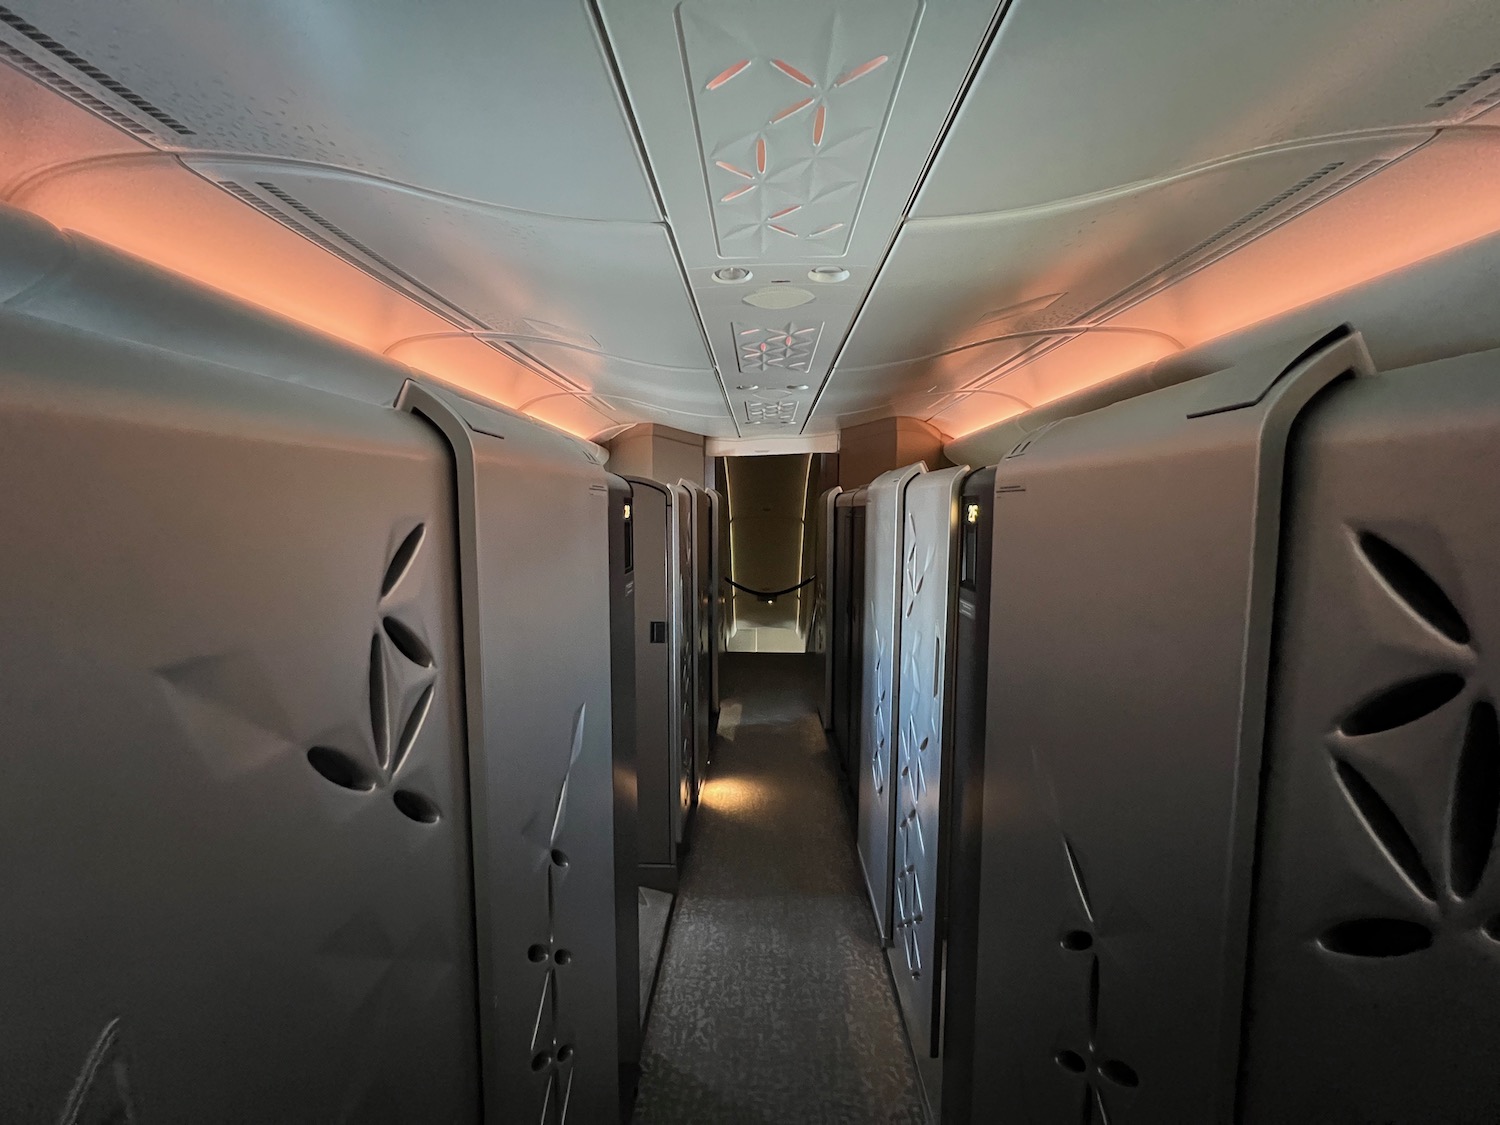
(550,1054)
(786,348)
(1103,1076)
(917,748)
(881,743)
(790,101)
(1448,892)
(402,676)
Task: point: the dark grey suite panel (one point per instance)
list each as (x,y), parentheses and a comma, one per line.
(1133,588)
(235,809)
(1375,956)
(533,534)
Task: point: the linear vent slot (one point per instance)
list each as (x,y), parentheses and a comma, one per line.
(48,77)
(1467,85)
(338,242)
(89,70)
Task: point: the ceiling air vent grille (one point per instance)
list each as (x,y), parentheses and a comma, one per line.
(339,242)
(1464,88)
(90,71)
(48,77)
(771,413)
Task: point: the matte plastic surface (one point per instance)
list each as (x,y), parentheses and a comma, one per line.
(235,818)
(1129,652)
(1374,984)
(885,552)
(533,532)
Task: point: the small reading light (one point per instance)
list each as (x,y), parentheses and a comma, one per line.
(796,386)
(627,511)
(828,274)
(748,387)
(732,275)
(972,514)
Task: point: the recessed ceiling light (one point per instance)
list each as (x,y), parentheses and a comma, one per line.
(828,274)
(778,297)
(748,387)
(732,275)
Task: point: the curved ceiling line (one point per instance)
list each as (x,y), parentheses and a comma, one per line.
(525,406)
(390,349)
(1022,403)
(1071,331)
(184,158)
(1136,187)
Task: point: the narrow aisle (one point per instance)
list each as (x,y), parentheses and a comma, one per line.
(774,1005)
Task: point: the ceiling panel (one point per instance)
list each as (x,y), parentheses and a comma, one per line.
(787,137)
(1107,154)
(495,102)
(1076,96)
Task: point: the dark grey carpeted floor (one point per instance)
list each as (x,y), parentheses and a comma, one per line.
(773,1005)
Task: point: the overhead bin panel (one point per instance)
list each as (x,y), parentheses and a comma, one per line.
(236,817)
(1097,97)
(455,96)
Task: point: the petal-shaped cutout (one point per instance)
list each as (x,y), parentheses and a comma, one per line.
(1077,869)
(411,728)
(1093,995)
(1071,1061)
(1376,937)
(1476,801)
(1403,703)
(407,643)
(416,807)
(1120,1074)
(379,725)
(1385,827)
(1415,587)
(340,768)
(401,561)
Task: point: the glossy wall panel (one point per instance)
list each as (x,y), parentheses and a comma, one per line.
(685,639)
(928,580)
(236,811)
(623,705)
(884,555)
(657,613)
(847,641)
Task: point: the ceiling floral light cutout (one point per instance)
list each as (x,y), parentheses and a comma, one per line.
(790,105)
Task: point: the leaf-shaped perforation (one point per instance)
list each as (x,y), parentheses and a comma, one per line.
(1403,703)
(1077,870)
(1476,801)
(1415,587)
(407,643)
(1093,994)
(379,727)
(1386,828)
(415,806)
(402,559)
(1376,937)
(340,768)
(412,727)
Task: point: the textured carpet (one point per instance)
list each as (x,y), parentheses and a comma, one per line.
(773,1004)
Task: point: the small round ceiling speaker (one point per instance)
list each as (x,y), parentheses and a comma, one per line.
(778,297)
